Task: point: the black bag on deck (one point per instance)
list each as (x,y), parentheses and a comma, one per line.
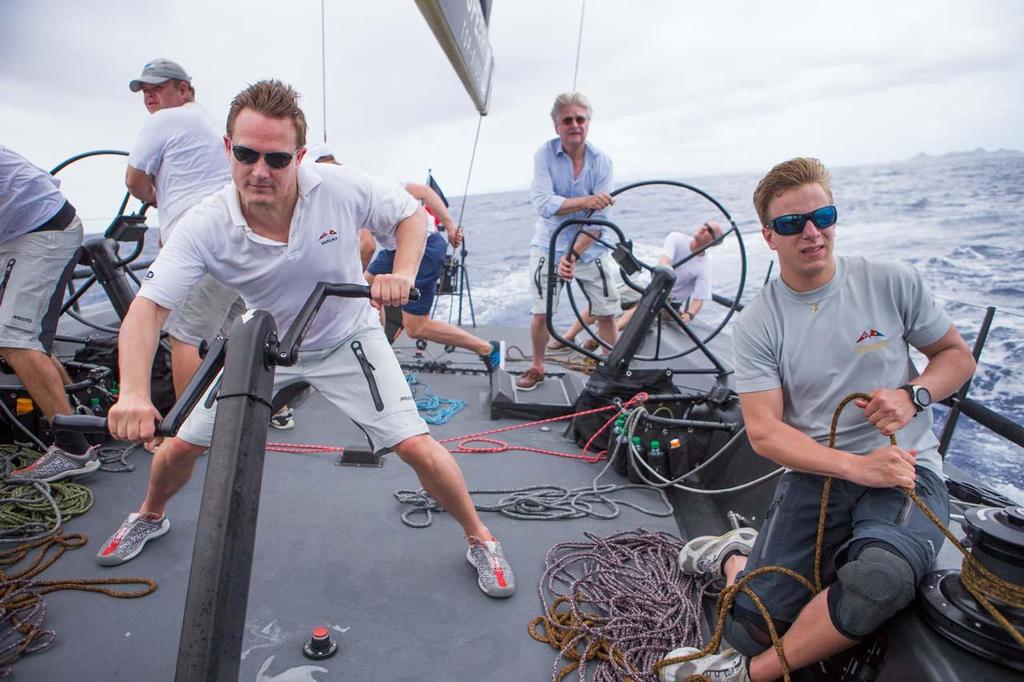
(601,390)
(102,350)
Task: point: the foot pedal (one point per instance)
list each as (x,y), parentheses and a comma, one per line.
(360,457)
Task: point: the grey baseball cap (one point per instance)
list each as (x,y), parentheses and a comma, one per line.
(159,71)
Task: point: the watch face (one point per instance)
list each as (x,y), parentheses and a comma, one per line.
(923,397)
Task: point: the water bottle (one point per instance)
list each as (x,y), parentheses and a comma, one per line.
(634,450)
(656,458)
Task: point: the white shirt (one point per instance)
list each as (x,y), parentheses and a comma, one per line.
(28,195)
(183,149)
(323,245)
(693,278)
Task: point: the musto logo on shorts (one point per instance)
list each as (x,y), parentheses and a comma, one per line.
(867,335)
(328,236)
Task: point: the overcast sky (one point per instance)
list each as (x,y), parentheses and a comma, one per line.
(680,89)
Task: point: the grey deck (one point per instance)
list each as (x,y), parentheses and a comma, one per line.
(331,550)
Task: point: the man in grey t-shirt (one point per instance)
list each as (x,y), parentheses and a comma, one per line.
(828,327)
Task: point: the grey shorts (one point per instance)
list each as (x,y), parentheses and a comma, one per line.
(374,394)
(209,309)
(595,278)
(857,516)
(36,269)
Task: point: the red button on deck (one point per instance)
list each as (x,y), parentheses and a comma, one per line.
(320,645)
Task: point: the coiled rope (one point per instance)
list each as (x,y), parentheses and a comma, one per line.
(434,409)
(620,601)
(978,580)
(22,608)
(540,502)
(34,510)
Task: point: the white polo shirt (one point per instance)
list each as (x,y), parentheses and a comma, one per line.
(183,149)
(693,278)
(323,245)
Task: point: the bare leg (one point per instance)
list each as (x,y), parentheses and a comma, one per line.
(811,638)
(439,474)
(422,327)
(60,370)
(38,372)
(539,340)
(185,361)
(624,319)
(577,327)
(172,468)
(606,329)
(732,566)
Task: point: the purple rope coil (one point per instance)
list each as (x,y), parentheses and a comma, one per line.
(632,580)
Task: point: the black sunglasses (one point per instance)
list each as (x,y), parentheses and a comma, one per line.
(580,119)
(248,156)
(788,225)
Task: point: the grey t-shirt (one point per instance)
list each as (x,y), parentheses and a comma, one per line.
(851,335)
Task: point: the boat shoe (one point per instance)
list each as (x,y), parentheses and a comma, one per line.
(529,379)
(495,575)
(725,666)
(57,464)
(131,537)
(703,555)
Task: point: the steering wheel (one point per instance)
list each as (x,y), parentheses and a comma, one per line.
(629,265)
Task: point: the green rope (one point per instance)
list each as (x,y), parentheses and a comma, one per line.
(35,509)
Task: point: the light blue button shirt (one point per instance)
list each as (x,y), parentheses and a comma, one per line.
(553,183)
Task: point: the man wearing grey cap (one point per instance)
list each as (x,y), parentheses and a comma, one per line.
(177,160)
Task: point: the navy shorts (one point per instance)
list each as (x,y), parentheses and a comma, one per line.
(857,516)
(426,276)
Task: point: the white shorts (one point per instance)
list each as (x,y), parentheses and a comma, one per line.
(35,271)
(371,391)
(209,309)
(595,278)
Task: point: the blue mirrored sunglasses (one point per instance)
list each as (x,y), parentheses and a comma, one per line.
(788,225)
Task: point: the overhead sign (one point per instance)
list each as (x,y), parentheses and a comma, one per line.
(460,26)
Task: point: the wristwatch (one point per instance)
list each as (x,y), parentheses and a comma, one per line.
(919,395)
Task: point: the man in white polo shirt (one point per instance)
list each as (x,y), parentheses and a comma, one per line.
(272,235)
(177,160)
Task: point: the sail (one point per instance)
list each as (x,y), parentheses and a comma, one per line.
(460,26)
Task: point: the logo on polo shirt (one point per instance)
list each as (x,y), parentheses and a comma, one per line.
(328,237)
(867,335)
(149,274)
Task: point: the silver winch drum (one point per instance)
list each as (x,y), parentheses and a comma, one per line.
(996,535)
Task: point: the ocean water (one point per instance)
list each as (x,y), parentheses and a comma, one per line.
(957,218)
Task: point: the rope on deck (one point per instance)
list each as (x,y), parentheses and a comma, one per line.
(619,603)
(34,510)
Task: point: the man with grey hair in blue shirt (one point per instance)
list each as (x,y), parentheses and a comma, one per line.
(571,179)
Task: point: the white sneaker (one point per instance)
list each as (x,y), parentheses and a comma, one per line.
(728,665)
(703,555)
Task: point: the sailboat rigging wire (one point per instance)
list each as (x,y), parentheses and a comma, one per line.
(323,67)
(469,174)
(579,45)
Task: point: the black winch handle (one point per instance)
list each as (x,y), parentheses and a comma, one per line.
(79,422)
(288,350)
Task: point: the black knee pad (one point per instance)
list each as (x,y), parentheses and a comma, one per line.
(869,590)
(747,633)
